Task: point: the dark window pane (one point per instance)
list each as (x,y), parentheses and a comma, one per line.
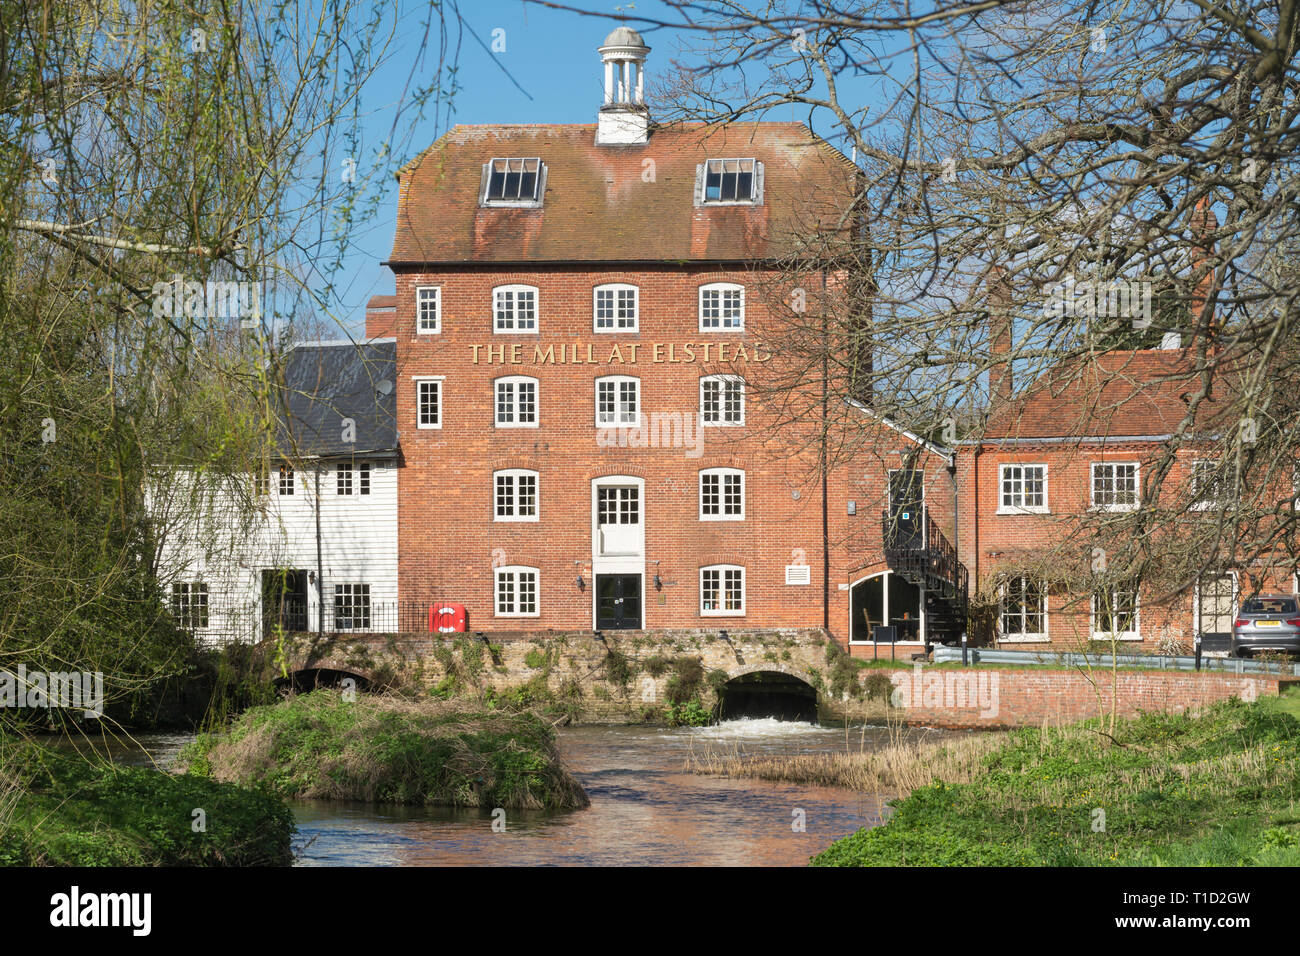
(712,185)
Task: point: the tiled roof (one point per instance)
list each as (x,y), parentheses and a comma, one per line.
(617,203)
(1120,393)
(327,382)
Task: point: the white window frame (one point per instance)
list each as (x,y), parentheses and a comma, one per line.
(1021,509)
(191,600)
(616,382)
(1200,503)
(1024,637)
(344,479)
(722,570)
(534,202)
(514,402)
(721,288)
(515,288)
(923,619)
(285,478)
(615,288)
(355,590)
(420,381)
(724,380)
(755,181)
(513,572)
(420,327)
(1137,485)
(1111,589)
(515,474)
(721,474)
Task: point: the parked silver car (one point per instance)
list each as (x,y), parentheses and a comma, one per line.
(1269,622)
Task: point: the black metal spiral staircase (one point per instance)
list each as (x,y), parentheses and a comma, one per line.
(917,551)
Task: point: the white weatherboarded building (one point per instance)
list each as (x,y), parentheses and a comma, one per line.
(313,544)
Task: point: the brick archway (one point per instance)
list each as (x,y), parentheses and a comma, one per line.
(771,668)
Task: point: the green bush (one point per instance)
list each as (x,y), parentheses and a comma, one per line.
(690,713)
(619,668)
(388,750)
(878,686)
(73,812)
(686,681)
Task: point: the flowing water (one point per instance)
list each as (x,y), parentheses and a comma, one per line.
(645,808)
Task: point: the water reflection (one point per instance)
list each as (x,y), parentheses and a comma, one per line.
(645,810)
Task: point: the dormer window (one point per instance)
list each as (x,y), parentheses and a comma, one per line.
(731,181)
(513,182)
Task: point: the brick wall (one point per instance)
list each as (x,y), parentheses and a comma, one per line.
(449,542)
(994,543)
(988,698)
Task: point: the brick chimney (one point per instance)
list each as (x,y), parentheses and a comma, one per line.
(1000,335)
(1204,223)
(381,317)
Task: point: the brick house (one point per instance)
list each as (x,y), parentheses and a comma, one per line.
(1061,488)
(579,312)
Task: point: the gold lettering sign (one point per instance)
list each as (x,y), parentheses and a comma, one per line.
(588,353)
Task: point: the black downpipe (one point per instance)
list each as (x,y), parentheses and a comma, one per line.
(826,534)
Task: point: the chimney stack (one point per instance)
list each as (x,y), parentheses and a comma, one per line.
(381,317)
(1204,224)
(1000,335)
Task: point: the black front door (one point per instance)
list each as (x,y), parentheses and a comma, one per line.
(618,602)
(906,497)
(284,600)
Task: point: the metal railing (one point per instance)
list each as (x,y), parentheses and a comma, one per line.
(249,622)
(1230,665)
(925,555)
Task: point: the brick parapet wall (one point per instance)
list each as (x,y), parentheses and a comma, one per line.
(992,698)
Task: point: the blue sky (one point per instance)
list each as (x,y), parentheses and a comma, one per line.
(550,55)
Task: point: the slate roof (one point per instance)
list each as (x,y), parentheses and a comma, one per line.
(326,382)
(601,203)
(1120,393)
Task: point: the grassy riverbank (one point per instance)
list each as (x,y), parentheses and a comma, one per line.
(1217,789)
(60,809)
(391,750)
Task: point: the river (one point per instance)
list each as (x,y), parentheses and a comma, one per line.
(645,809)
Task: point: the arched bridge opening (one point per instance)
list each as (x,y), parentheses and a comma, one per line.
(307,679)
(767,694)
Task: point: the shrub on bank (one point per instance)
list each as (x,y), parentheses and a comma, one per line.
(389,750)
(58,809)
(1214,789)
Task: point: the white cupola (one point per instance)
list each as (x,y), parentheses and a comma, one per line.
(623,119)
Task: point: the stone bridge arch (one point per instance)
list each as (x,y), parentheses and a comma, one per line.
(768,689)
(308,674)
(770,667)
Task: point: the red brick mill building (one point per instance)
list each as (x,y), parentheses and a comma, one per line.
(577,311)
(581,316)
